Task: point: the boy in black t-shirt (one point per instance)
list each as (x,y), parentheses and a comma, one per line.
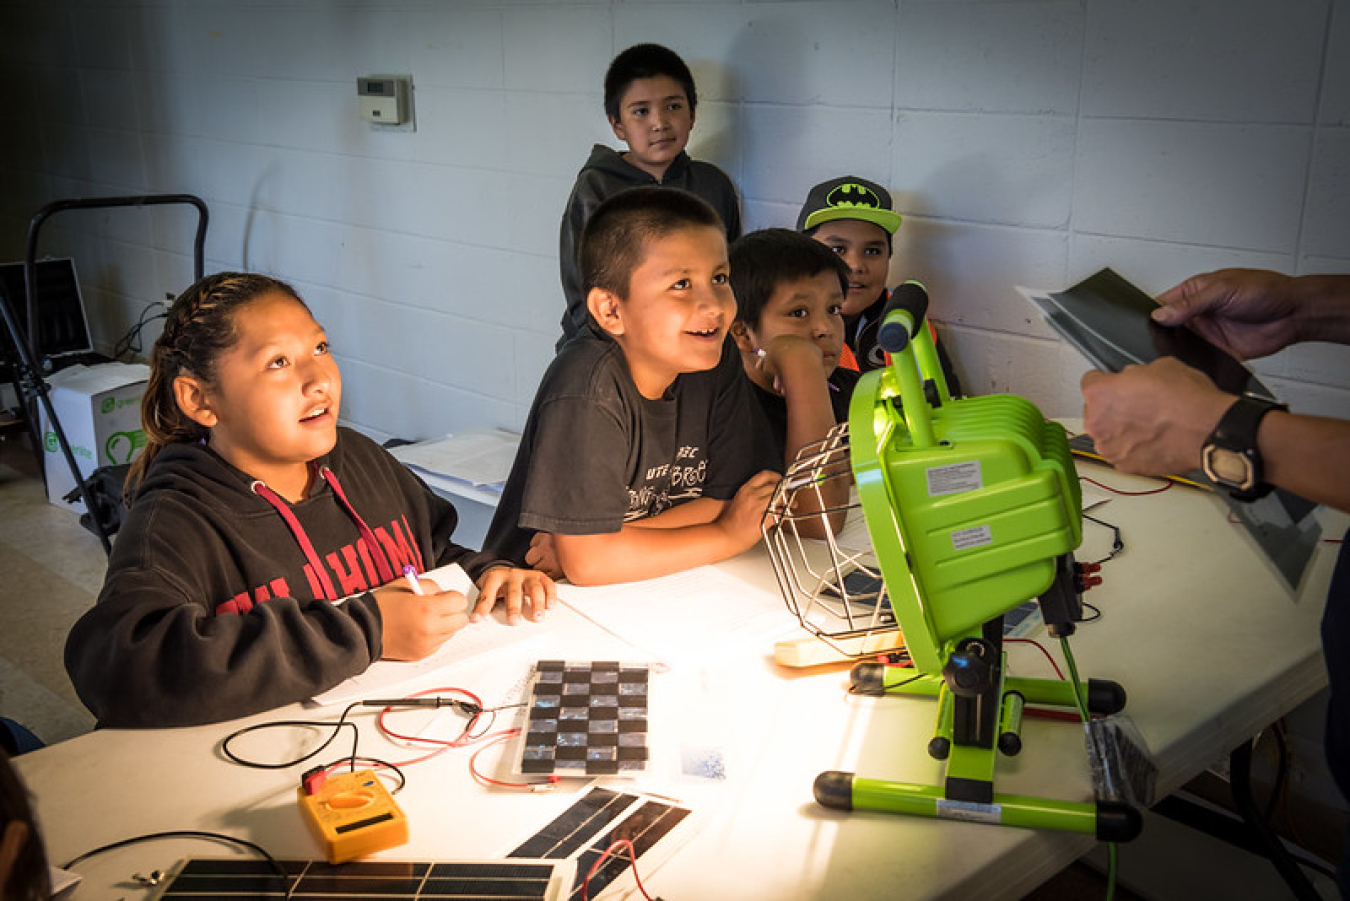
(643,450)
(649,101)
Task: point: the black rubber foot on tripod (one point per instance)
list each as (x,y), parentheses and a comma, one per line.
(834,790)
(1105,697)
(1118,822)
(868,678)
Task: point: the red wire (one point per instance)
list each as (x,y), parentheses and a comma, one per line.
(1042,649)
(608,852)
(1040,711)
(463,740)
(1065,715)
(1165,485)
(489,741)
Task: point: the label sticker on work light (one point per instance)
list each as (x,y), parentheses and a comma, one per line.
(954,478)
(969,811)
(965,539)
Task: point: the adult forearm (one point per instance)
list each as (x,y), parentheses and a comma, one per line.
(1324,307)
(1307,455)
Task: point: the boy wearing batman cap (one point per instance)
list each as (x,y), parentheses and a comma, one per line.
(856,219)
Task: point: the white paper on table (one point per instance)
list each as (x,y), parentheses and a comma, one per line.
(854,537)
(63,881)
(692,615)
(471,641)
(1093,496)
(478,458)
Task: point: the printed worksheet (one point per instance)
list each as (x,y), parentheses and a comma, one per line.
(696,615)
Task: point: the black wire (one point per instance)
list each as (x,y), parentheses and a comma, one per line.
(1281,774)
(473,734)
(1240,773)
(191,833)
(259,727)
(402,779)
(342,721)
(131,341)
(1117,543)
(1096,612)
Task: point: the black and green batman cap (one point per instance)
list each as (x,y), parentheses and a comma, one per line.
(848,197)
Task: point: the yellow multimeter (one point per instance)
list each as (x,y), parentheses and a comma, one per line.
(351,814)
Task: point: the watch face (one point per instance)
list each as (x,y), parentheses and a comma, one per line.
(1228,467)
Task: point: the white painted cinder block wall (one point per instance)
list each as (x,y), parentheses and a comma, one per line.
(1026,143)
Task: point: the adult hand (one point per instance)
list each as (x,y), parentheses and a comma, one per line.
(514,587)
(416,625)
(1247,312)
(1152,419)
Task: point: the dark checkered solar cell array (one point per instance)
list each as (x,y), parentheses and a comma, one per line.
(586,719)
(596,822)
(234,879)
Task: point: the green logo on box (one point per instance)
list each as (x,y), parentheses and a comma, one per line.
(109,404)
(122,446)
(52,446)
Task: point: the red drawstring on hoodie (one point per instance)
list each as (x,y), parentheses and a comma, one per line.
(377,552)
(382,563)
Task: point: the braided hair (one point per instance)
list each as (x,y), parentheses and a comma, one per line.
(199,327)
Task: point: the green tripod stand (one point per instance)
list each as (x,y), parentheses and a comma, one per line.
(972,507)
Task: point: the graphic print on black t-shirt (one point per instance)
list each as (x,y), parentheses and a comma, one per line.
(666,484)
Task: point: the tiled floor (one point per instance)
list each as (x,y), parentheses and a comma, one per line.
(51,570)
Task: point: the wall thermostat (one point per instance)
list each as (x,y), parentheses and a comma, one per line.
(384,99)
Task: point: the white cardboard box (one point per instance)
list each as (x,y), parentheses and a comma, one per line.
(100,412)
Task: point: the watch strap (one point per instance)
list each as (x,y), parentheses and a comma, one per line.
(1236,432)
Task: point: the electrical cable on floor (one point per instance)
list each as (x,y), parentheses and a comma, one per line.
(1240,772)
(1280,789)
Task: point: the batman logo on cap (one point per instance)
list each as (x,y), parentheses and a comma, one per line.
(852,194)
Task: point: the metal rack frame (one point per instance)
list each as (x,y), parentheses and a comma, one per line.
(32,388)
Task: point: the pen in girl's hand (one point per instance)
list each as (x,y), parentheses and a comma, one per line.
(410,573)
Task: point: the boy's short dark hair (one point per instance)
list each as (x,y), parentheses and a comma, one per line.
(614,241)
(645,61)
(763,260)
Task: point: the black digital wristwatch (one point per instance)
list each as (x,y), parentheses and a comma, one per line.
(1230,457)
